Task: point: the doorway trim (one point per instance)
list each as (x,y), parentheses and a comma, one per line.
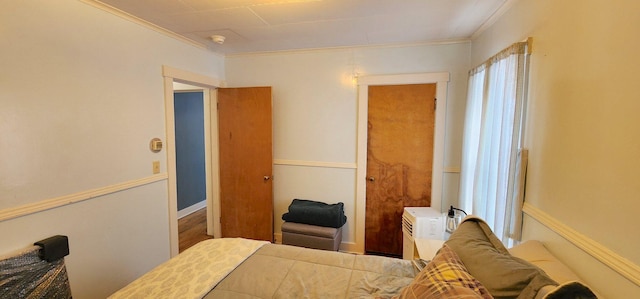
(211,150)
(441,80)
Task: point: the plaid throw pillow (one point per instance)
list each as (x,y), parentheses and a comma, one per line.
(445,277)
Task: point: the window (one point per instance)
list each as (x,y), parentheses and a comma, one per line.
(492,157)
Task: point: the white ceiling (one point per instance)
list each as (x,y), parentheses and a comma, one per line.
(276,25)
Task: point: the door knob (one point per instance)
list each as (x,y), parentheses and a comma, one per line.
(266,178)
(371,179)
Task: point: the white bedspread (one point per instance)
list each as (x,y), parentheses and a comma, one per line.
(193,272)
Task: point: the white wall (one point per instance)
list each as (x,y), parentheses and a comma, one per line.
(81,96)
(582,125)
(315,113)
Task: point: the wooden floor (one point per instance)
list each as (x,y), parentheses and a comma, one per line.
(192,229)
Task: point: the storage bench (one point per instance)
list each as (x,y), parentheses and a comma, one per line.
(311,236)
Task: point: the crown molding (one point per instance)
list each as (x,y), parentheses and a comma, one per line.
(141,22)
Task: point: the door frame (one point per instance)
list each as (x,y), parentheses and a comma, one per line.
(441,80)
(209,85)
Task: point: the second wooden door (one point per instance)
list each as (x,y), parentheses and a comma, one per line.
(246,162)
(400,141)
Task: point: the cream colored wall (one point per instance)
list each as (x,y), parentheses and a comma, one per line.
(582,125)
(81,96)
(315,115)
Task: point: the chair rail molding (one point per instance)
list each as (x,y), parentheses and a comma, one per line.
(616,262)
(47,204)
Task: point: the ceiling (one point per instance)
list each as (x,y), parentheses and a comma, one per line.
(275,25)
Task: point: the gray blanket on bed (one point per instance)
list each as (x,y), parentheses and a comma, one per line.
(281,271)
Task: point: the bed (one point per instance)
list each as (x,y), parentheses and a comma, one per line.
(473,263)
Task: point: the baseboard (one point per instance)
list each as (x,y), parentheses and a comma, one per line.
(192,209)
(277,238)
(349,247)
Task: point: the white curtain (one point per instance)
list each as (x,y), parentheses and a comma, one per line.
(492,138)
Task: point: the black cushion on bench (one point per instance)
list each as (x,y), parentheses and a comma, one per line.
(316,213)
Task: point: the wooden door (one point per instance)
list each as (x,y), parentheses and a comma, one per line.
(400,141)
(246,162)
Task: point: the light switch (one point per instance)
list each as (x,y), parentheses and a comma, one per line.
(156,167)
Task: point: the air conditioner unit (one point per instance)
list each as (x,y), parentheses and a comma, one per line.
(420,223)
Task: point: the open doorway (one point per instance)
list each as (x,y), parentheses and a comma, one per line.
(189,121)
(174,77)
